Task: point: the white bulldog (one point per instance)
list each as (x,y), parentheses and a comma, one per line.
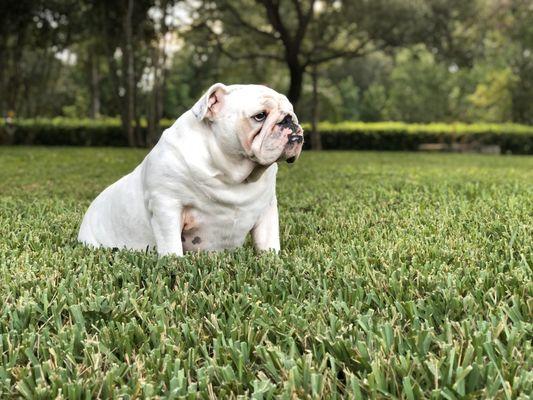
(209,180)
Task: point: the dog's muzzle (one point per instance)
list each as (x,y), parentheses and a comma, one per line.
(294,136)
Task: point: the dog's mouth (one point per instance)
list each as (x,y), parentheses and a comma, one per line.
(293,146)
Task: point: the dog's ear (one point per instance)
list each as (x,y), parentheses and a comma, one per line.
(210,103)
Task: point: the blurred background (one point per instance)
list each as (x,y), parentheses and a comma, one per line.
(140,63)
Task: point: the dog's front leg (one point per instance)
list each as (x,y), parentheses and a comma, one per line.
(166,221)
(265,233)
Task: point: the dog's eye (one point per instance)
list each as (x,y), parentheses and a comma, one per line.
(260,117)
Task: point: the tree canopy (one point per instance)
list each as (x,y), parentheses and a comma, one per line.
(409,60)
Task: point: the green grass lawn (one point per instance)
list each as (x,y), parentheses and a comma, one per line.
(402,275)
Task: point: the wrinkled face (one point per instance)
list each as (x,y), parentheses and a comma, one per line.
(254,121)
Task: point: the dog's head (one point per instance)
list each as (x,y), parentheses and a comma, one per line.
(251,120)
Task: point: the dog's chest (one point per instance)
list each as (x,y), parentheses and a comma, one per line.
(219,226)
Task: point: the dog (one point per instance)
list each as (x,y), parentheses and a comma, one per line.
(208,182)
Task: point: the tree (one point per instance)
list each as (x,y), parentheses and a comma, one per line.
(306,34)
(419,88)
(492,99)
(520,33)
(126,31)
(161,16)
(303,34)
(32,33)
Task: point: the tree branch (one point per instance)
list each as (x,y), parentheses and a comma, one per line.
(237,57)
(299,11)
(303,21)
(357,52)
(242,22)
(272,10)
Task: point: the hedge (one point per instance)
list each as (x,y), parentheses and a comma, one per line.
(68,132)
(512,138)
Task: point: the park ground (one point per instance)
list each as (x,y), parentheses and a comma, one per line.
(402,275)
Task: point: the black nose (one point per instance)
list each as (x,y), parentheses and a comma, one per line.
(286,120)
(296,139)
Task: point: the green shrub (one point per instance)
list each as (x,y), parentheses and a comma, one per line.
(512,138)
(69,132)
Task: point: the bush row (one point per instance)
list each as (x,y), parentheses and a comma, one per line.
(68,132)
(512,138)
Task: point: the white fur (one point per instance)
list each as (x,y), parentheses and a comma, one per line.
(199,183)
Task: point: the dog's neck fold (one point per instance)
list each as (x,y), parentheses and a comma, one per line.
(234,168)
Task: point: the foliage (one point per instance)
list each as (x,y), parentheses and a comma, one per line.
(520,30)
(418,90)
(493,98)
(512,138)
(434,127)
(374,103)
(402,275)
(306,33)
(32,32)
(408,60)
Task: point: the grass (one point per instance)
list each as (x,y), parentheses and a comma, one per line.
(403,275)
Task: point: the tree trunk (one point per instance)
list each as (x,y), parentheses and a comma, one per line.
(129,114)
(316,139)
(153,101)
(155,116)
(295,88)
(161,90)
(140,136)
(159,58)
(117,83)
(94,111)
(150,128)
(14,79)
(3,81)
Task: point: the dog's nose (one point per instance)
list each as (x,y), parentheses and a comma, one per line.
(296,138)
